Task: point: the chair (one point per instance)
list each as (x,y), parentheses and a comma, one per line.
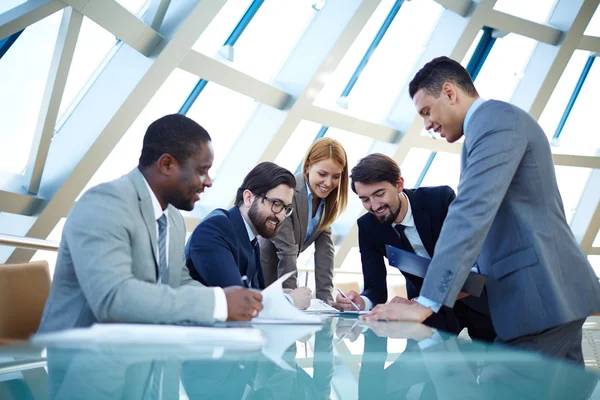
(24,289)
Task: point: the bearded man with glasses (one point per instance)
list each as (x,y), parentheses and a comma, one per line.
(223,250)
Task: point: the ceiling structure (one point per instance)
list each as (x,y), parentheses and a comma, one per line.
(82,79)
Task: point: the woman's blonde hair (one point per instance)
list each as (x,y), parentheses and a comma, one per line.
(335,202)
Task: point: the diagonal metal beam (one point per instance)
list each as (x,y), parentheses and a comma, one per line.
(116,19)
(460,7)
(55,85)
(335,119)
(509,23)
(590,43)
(25,14)
(156,13)
(215,71)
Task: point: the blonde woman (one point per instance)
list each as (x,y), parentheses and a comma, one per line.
(320,197)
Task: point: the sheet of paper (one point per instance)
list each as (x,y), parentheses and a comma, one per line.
(277,307)
(320,305)
(148,334)
(280,337)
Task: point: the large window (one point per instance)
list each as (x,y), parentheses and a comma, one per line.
(387,71)
(124,157)
(23,74)
(504,67)
(93,45)
(223,113)
(559,100)
(593,28)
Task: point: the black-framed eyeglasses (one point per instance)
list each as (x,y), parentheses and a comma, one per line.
(277,206)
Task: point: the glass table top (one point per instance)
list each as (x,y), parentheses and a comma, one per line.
(342,359)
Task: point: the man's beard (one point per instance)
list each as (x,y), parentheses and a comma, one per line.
(260,222)
(390,217)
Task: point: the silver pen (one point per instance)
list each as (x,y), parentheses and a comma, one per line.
(347,298)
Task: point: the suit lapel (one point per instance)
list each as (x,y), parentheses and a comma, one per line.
(146,209)
(422,219)
(301,207)
(246,249)
(174,251)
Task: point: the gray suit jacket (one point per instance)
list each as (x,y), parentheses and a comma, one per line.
(508,215)
(107,262)
(279,255)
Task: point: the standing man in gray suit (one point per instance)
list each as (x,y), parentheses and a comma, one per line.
(508,216)
(121,255)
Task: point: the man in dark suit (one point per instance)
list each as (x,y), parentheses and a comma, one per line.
(224,248)
(410,220)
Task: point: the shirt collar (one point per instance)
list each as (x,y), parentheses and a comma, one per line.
(158,211)
(251,234)
(471,111)
(408,219)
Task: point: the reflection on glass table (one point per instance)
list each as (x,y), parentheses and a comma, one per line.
(346,358)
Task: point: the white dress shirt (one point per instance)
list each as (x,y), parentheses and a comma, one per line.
(252,236)
(410,230)
(220,312)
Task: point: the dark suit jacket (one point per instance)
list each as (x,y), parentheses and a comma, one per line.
(219,251)
(429,208)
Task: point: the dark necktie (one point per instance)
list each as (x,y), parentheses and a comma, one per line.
(256,251)
(163,272)
(403,239)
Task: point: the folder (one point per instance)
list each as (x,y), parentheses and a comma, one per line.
(416,265)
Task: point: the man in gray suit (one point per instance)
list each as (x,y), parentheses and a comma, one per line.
(121,255)
(508,216)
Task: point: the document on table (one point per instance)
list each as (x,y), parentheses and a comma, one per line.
(277,308)
(319,307)
(243,338)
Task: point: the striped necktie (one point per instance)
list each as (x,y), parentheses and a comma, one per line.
(163,271)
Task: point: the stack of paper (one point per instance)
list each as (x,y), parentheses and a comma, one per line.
(278,310)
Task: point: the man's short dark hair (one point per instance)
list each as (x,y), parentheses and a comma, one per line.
(438,71)
(264,177)
(174,134)
(374,168)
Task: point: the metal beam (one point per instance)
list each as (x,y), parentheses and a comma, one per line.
(335,119)
(590,43)
(25,14)
(509,23)
(28,243)
(116,19)
(215,71)
(460,7)
(55,85)
(18,203)
(156,13)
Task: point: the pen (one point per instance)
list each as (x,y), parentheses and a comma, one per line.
(306,279)
(347,298)
(245,281)
(346,334)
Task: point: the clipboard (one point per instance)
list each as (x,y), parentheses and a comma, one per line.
(416,265)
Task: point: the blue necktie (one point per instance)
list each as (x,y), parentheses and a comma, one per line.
(163,272)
